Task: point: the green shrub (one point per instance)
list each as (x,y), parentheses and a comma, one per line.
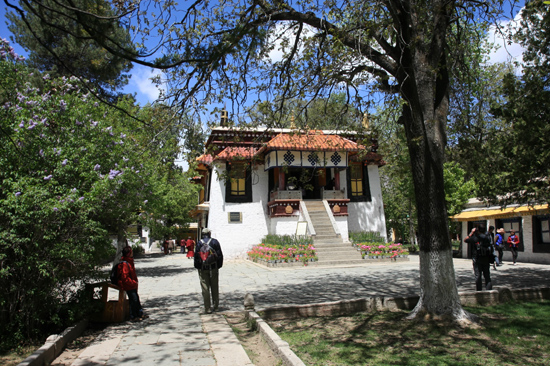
(366,236)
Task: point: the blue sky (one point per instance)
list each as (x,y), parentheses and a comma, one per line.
(146,92)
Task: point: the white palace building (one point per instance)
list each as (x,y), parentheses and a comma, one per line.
(260,181)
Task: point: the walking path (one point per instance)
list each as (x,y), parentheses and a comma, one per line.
(177,334)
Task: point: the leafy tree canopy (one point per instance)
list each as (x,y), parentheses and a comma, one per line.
(520,167)
(280,50)
(73,172)
(61,46)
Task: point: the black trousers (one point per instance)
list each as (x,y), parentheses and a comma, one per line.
(135,304)
(514,254)
(482,266)
(500,253)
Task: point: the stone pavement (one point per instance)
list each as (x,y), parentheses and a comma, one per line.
(177,334)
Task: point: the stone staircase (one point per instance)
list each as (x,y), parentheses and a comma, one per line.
(330,247)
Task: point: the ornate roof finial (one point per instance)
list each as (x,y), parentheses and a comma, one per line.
(366,121)
(292,124)
(224,119)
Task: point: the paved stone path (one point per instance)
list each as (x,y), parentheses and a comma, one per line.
(176,333)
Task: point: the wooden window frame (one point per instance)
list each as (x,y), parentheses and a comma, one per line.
(366,194)
(247,196)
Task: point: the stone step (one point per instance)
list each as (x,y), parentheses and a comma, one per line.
(338,262)
(325,233)
(337,257)
(335,246)
(320,238)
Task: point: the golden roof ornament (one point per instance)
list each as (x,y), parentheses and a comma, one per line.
(366,121)
(224,119)
(292,123)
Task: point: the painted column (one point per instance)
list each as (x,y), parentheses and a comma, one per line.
(281,179)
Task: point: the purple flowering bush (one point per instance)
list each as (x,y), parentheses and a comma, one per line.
(74,172)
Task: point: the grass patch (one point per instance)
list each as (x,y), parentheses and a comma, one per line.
(508,334)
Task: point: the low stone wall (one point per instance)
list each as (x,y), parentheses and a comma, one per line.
(55,344)
(317,263)
(344,307)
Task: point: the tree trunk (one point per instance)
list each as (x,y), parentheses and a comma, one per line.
(121,241)
(424,83)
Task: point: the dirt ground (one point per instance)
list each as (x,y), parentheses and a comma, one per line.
(257,349)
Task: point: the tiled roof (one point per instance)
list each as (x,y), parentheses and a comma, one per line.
(231,152)
(312,141)
(205,159)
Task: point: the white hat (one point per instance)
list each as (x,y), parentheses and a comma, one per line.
(206,230)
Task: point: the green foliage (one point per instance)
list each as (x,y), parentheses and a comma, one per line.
(366,236)
(287,240)
(60,46)
(520,164)
(457,190)
(137,249)
(334,112)
(73,171)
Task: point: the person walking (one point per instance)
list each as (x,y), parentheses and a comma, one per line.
(480,244)
(190,244)
(513,241)
(208,260)
(499,245)
(128,281)
(491,234)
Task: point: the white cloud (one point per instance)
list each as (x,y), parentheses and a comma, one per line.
(506,51)
(141,84)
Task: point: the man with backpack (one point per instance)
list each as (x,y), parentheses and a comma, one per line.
(482,256)
(208,260)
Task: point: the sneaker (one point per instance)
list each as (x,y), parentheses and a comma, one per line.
(135,319)
(144,316)
(209,311)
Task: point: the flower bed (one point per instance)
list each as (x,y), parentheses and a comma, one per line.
(273,253)
(370,250)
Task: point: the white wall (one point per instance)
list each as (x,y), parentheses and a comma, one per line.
(368,216)
(285,225)
(342,223)
(237,238)
(526,238)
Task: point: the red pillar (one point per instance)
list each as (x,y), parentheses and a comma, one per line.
(281,180)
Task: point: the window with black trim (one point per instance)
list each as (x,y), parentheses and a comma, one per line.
(541,234)
(358,183)
(238,187)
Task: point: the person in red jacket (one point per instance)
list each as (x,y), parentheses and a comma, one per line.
(128,281)
(190,248)
(513,241)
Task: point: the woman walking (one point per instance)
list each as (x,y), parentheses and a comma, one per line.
(513,241)
(190,248)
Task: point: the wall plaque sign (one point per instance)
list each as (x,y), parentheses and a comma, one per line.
(235,217)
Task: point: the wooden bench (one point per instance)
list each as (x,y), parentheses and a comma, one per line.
(114,311)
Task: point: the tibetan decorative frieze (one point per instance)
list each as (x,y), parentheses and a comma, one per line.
(282,208)
(339,207)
